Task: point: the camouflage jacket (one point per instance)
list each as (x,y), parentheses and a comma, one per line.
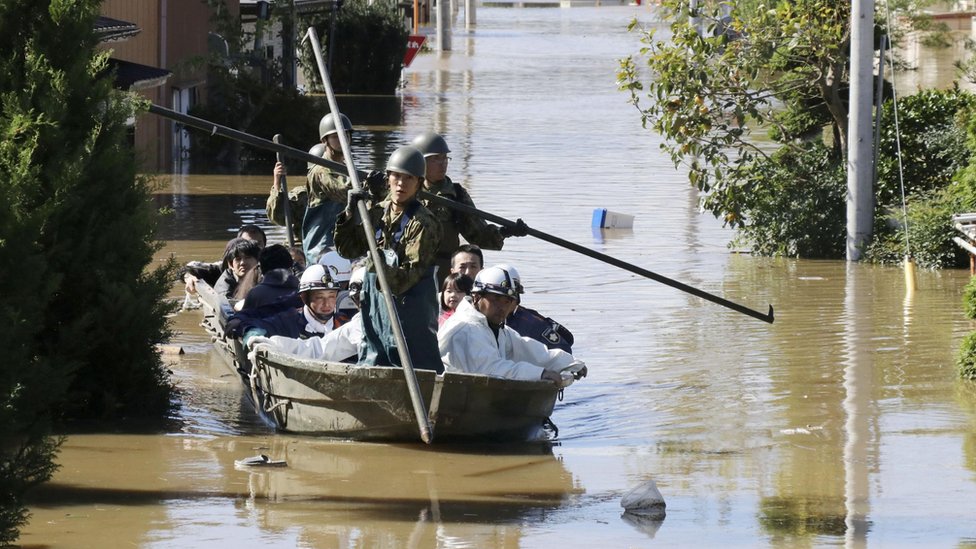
(315,205)
(413,236)
(453,222)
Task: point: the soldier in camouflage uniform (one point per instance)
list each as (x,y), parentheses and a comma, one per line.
(408,235)
(453,222)
(315,205)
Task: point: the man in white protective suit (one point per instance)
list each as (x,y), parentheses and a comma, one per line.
(475,338)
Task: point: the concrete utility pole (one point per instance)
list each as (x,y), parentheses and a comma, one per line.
(470,15)
(860,139)
(443,25)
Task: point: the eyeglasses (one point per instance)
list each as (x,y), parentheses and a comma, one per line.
(440,159)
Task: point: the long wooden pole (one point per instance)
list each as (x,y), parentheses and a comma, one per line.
(765,317)
(283,198)
(217,129)
(378,259)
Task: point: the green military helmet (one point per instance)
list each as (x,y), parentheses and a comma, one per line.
(327,125)
(317,149)
(408,160)
(430,143)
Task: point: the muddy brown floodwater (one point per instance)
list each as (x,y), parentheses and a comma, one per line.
(842,424)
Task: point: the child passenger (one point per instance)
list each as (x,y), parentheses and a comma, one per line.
(455,288)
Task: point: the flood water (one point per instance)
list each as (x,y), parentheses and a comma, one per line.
(844,423)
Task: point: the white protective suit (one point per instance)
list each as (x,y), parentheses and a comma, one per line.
(339,344)
(468,345)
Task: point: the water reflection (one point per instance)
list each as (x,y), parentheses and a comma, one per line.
(858,387)
(842,423)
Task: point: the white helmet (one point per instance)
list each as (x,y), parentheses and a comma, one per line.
(316,277)
(340,268)
(495,280)
(358,276)
(516,279)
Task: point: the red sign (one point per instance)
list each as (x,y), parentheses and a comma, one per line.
(414,43)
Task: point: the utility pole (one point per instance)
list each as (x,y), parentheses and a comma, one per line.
(860,138)
(443,25)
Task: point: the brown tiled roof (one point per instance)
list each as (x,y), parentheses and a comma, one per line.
(110,30)
(135,76)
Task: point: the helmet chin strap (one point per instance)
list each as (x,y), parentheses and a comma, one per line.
(321,318)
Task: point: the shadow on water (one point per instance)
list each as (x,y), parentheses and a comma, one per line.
(803,516)
(207,217)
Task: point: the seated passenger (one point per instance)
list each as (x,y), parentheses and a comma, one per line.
(469,260)
(298,257)
(241,257)
(475,339)
(277,280)
(339,345)
(210,272)
(455,288)
(315,319)
(531,323)
(253,232)
(340,269)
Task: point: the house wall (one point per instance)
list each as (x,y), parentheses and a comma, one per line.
(174,33)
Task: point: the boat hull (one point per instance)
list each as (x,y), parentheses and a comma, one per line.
(372,403)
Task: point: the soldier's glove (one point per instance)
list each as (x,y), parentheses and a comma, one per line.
(354,196)
(520,229)
(376,183)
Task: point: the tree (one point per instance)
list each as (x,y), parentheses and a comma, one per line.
(729,72)
(81,313)
(369,44)
(717,76)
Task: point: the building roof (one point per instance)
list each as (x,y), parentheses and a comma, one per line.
(114,30)
(135,76)
(249,7)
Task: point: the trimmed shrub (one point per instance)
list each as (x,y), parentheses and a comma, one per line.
(966,360)
(969,299)
(795,206)
(369,44)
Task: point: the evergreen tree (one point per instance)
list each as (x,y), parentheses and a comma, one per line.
(81,313)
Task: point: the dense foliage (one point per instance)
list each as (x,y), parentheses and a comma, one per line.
(796,206)
(934,154)
(248,92)
(721,71)
(966,359)
(728,69)
(81,316)
(368,47)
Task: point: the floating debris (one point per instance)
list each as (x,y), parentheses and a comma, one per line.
(260,460)
(170,349)
(645,500)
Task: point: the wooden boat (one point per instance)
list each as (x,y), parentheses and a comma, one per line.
(319,397)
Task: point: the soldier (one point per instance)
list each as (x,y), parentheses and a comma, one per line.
(315,205)
(408,235)
(453,222)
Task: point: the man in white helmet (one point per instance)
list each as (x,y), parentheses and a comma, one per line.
(475,338)
(316,318)
(339,345)
(341,270)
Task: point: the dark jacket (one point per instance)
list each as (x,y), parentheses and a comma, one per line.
(274,285)
(226,284)
(531,323)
